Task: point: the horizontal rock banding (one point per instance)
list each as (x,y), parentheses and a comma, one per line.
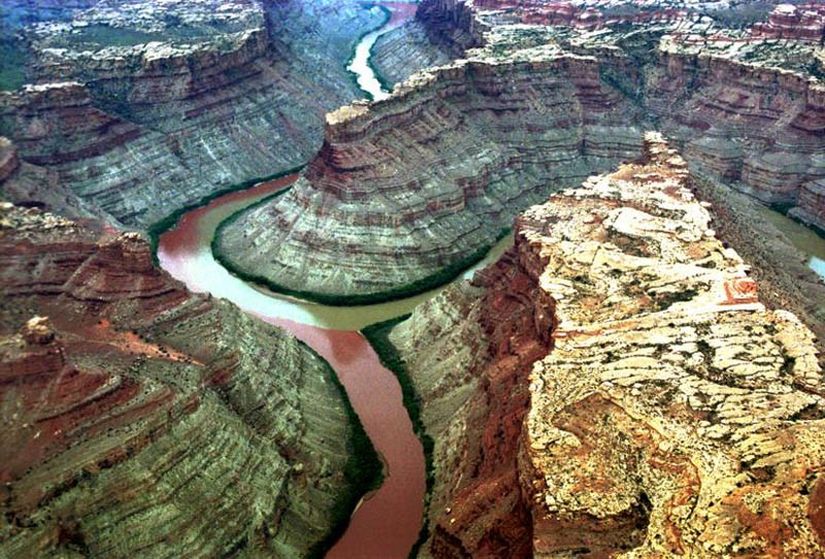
(457,151)
(137,413)
(142,131)
(403,188)
(674,414)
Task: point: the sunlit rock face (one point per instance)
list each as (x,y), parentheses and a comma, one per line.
(659,408)
(787,21)
(407,186)
(140,116)
(141,419)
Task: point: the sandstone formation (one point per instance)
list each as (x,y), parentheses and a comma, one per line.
(145,129)
(614,387)
(447,161)
(805,22)
(404,188)
(139,419)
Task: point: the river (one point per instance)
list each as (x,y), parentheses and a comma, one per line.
(387,522)
(360,66)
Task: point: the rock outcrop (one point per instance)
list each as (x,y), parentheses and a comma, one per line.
(802,23)
(146,129)
(659,408)
(141,419)
(407,187)
(449,159)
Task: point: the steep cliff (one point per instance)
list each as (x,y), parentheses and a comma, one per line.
(141,419)
(406,188)
(149,128)
(620,388)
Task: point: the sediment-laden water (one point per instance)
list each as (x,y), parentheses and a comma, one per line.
(387,522)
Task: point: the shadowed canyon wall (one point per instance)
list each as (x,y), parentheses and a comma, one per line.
(141,419)
(155,128)
(614,386)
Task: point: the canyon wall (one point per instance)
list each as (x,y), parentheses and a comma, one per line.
(140,419)
(448,160)
(403,188)
(613,386)
(156,127)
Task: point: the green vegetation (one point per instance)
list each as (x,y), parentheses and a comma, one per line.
(107,36)
(439,278)
(363,472)
(12,63)
(162,226)
(378,335)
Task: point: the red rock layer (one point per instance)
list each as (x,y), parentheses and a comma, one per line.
(487,516)
(805,22)
(135,398)
(673,416)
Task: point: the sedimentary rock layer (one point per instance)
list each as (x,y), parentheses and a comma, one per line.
(674,414)
(457,151)
(404,188)
(139,419)
(154,129)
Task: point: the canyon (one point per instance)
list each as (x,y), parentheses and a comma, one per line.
(614,387)
(531,296)
(133,410)
(197,117)
(447,161)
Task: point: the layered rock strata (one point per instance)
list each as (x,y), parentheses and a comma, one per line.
(458,150)
(659,409)
(139,419)
(407,187)
(144,130)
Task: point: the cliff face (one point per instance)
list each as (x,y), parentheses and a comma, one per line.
(659,408)
(416,182)
(135,413)
(157,126)
(403,188)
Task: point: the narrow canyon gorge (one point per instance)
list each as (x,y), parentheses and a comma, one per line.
(437,278)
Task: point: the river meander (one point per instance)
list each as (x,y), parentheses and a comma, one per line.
(387,522)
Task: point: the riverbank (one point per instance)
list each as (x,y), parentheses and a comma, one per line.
(434,281)
(378,337)
(160,227)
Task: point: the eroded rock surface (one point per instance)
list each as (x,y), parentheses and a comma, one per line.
(139,419)
(407,186)
(404,188)
(660,408)
(141,117)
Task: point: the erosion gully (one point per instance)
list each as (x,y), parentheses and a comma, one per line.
(386,522)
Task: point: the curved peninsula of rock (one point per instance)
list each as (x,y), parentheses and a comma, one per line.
(408,189)
(139,419)
(614,387)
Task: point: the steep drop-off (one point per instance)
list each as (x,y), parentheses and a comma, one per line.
(613,386)
(139,419)
(407,187)
(143,131)
(404,188)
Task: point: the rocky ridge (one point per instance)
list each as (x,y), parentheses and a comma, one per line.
(487,138)
(135,413)
(613,386)
(524,115)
